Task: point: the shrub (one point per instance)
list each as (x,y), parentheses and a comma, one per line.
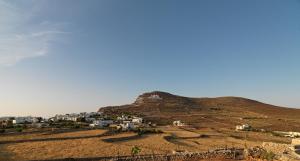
(19,129)
(267,155)
(58,126)
(18,126)
(76,126)
(135,150)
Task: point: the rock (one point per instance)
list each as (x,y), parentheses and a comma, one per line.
(296,141)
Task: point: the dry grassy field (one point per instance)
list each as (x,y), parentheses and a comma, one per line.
(92,143)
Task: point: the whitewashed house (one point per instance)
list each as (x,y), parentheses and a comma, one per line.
(244,127)
(90,119)
(103,123)
(122,118)
(92,125)
(137,120)
(127,126)
(22,120)
(72,118)
(178,123)
(68,117)
(18,121)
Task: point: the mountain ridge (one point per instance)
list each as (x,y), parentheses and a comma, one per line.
(163,107)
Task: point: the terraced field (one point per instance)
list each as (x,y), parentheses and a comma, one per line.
(94,143)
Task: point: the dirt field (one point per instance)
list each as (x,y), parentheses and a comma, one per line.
(92,143)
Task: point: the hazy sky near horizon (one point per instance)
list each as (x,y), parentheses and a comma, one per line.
(63,56)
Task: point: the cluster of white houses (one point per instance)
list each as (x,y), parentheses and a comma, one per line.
(87,116)
(121,123)
(10,121)
(97,120)
(94,119)
(20,120)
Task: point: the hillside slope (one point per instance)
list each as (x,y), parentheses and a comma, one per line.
(163,108)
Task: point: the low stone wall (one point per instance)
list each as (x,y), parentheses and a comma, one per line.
(231,153)
(285,152)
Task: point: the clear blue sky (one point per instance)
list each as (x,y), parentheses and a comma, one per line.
(61,56)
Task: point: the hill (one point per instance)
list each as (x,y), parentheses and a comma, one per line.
(163,108)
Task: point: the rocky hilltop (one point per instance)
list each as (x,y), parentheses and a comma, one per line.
(163,107)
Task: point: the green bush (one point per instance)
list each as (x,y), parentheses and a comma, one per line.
(268,155)
(135,150)
(58,126)
(76,126)
(19,129)
(18,126)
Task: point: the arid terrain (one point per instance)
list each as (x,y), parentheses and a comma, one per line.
(93,144)
(209,124)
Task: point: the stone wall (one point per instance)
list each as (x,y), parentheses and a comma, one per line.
(275,147)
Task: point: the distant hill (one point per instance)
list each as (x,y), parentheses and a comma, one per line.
(163,108)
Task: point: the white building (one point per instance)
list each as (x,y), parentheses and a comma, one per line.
(72,118)
(90,119)
(178,123)
(103,123)
(92,125)
(22,120)
(68,117)
(244,127)
(127,126)
(137,120)
(88,114)
(122,118)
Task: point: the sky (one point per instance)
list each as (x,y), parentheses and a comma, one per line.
(65,56)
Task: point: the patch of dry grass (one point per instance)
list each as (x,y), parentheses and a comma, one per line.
(149,144)
(92,147)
